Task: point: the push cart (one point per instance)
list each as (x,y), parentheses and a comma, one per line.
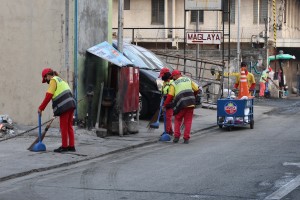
(235,112)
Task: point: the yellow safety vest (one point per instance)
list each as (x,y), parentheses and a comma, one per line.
(184,94)
(166,87)
(62,99)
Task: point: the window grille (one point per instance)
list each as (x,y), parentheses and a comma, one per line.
(232,11)
(126,4)
(262,6)
(194,16)
(158,11)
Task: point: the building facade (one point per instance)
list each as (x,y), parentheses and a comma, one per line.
(256,17)
(265,27)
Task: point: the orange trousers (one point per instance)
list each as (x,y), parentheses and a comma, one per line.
(169,115)
(185,115)
(262,88)
(66,129)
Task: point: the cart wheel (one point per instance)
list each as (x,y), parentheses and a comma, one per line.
(229,128)
(252,124)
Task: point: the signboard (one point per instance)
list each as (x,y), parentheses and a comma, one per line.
(204,37)
(230,108)
(108,52)
(203,4)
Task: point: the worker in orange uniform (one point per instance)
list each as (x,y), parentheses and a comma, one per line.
(63,105)
(183,91)
(250,78)
(165,75)
(263,82)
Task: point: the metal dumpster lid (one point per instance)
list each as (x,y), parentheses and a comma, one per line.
(107,52)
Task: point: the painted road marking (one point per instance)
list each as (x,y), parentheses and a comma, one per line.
(284,190)
(291,164)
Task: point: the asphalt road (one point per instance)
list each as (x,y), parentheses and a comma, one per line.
(259,163)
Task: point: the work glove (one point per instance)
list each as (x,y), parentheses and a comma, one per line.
(40,112)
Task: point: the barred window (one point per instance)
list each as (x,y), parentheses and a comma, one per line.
(232,10)
(194,16)
(260,8)
(158,12)
(126,4)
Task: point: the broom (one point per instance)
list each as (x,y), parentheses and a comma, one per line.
(154,122)
(153,119)
(43,135)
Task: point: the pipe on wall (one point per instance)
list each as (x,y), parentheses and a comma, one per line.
(76,56)
(67,6)
(173,19)
(166,19)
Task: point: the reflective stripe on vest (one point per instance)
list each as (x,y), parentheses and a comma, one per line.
(62,99)
(184,94)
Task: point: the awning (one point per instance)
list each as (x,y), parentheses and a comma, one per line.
(107,52)
(281,57)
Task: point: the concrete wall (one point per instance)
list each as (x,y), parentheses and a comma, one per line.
(32,37)
(36,34)
(141,9)
(288,19)
(93,28)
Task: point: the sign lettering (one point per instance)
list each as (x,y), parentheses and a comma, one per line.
(204,37)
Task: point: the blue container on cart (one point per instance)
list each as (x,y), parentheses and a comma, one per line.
(235,112)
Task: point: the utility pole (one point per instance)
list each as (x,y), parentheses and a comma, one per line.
(120,25)
(266,43)
(238,33)
(120,48)
(197,48)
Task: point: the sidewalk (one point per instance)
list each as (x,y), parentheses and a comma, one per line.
(17,161)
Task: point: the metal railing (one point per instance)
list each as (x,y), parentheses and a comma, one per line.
(208,73)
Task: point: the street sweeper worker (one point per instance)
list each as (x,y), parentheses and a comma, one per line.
(262,82)
(250,78)
(63,105)
(165,75)
(183,90)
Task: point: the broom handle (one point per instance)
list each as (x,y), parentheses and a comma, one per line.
(160,107)
(43,135)
(40,127)
(165,120)
(275,84)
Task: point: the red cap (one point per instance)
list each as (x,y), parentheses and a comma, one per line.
(163,71)
(270,69)
(44,73)
(175,72)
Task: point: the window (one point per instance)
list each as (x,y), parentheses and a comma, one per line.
(232,10)
(158,11)
(260,9)
(126,4)
(194,16)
